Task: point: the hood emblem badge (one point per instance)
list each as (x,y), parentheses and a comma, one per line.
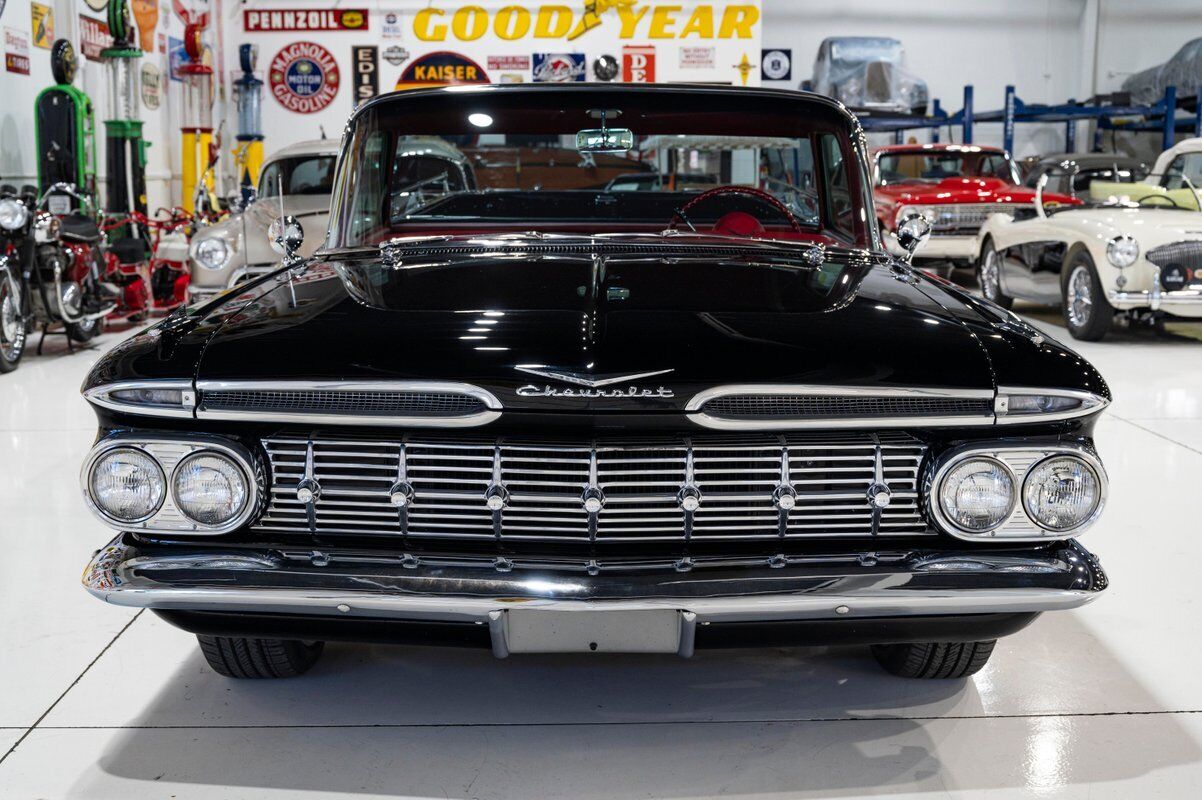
(592,386)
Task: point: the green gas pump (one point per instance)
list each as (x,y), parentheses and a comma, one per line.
(125,149)
(65,127)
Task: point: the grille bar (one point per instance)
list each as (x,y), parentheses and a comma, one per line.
(640,491)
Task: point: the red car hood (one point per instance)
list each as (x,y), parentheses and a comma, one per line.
(963,190)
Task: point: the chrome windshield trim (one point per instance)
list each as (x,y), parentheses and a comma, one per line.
(695,404)
(1090,404)
(446,387)
(101,396)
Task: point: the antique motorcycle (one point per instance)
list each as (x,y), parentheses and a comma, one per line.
(52,267)
(149,262)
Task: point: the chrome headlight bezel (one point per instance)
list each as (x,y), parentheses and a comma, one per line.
(169,452)
(210,452)
(1094,513)
(1020,460)
(13,214)
(1122,251)
(211,252)
(89,470)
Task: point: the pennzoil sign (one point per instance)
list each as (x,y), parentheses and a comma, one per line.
(292,20)
(304,77)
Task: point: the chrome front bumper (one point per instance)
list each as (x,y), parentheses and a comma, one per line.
(362,585)
(1182,303)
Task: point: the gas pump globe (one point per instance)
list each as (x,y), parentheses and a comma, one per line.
(248,97)
(197,128)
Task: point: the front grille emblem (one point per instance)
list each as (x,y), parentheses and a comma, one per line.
(592,385)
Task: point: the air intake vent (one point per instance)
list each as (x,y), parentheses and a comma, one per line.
(425,403)
(783,407)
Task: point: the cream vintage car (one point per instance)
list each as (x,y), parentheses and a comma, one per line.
(1131,248)
(237,248)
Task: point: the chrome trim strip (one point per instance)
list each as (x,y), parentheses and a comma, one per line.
(1005,454)
(1155,299)
(1090,404)
(451,387)
(102,396)
(120,575)
(152,445)
(693,407)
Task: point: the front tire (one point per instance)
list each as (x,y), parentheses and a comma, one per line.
(83,332)
(989,276)
(933,660)
(13,327)
(259,658)
(1087,313)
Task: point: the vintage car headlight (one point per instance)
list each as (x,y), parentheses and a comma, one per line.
(126,484)
(1122,251)
(210,488)
(977,495)
(211,253)
(13,214)
(905,212)
(1061,493)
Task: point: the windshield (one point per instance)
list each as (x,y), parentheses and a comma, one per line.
(508,160)
(300,175)
(932,166)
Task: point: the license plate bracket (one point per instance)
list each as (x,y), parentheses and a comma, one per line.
(537,630)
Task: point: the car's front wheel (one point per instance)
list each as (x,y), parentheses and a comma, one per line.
(933,659)
(259,658)
(989,276)
(1087,313)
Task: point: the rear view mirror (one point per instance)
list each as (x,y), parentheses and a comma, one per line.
(605,140)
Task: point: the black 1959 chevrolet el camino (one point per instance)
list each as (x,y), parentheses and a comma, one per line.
(543,419)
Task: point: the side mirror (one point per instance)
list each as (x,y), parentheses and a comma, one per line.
(911,234)
(1039,187)
(286,235)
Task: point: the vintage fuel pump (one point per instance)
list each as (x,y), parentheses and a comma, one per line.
(248,95)
(125,149)
(65,127)
(197,128)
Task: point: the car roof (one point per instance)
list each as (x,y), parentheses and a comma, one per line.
(312,147)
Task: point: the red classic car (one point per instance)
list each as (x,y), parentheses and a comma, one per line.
(955,186)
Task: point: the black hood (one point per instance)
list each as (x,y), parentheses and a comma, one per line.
(698,321)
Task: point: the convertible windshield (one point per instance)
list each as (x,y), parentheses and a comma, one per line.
(716,161)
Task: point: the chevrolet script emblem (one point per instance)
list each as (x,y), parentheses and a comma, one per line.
(592,385)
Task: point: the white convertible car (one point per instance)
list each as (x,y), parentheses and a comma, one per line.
(1130,247)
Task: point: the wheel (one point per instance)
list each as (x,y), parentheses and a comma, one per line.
(259,658)
(12,328)
(989,276)
(83,332)
(933,659)
(1087,314)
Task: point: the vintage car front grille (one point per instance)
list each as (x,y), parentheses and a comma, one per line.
(801,406)
(1181,257)
(400,404)
(641,483)
(967,218)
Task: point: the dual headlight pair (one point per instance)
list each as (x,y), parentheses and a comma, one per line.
(974,494)
(201,487)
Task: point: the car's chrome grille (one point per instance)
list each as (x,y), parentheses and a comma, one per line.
(1180,263)
(641,484)
(800,406)
(967,218)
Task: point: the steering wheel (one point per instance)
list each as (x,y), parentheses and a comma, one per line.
(748,191)
(1175,204)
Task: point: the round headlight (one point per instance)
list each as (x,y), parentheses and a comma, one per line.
(1062,493)
(127,485)
(977,495)
(211,253)
(13,214)
(210,489)
(1122,251)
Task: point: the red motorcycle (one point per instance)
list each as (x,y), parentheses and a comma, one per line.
(149,263)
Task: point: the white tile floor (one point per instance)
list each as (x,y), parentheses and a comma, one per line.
(102,702)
